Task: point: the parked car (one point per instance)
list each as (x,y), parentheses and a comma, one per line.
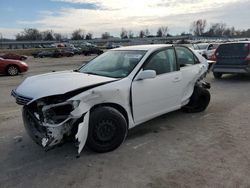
(60,45)
(232,58)
(47,46)
(35,54)
(12,67)
(75,50)
(63,53)
(97,103)
(206,49)
(92,50)
(112,46)
(14,56)
(43,54)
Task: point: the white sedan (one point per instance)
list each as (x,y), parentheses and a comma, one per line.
(97,103)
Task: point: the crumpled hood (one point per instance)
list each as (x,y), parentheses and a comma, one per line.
(57,83)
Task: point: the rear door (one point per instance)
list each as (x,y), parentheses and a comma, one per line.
(190,68)
(232,54)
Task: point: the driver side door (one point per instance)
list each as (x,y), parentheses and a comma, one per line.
(159,95)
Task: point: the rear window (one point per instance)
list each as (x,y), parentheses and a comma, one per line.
(233,50)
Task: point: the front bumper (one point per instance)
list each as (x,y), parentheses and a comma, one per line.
(47,136)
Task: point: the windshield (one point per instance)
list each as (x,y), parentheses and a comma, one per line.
(115,64)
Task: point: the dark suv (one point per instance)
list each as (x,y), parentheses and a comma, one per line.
(232,58)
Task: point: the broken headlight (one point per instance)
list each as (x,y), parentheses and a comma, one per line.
(59,113)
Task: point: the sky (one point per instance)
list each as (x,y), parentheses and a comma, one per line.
(98,16)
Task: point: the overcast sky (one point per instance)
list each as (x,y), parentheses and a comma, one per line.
(99,16)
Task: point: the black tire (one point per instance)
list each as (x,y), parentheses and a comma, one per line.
(12,70)
(198,101)
(217,75)
(107,129)
(205,56)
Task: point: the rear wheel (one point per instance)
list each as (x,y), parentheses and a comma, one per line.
(205,56)
(217,75)
(107,129)
(198,101)
(12,70)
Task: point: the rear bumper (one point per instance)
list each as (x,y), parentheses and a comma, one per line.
(231,69)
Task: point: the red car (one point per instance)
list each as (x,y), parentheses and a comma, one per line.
(12,67)
(14,56)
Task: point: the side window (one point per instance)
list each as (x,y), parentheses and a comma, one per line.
(185,56)
(162,62)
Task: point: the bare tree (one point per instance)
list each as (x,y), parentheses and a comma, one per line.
(106,35)
(29,34)
(78,34)
(147,32)
(141,34)
(130,34)
(217,29)
(159,32)
(124,33)
(48,35)
(58,36)
(198,27)
(164,30)
(89,36)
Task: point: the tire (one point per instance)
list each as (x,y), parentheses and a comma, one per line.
(205,56)
(198,101)
(12,70)
(217,75)
(107,129)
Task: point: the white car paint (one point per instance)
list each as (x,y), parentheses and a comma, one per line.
(150,97)
(57,83)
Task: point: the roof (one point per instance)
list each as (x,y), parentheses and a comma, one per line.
(144,47)
(239,42)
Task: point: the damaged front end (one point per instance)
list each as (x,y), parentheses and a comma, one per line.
(51,120)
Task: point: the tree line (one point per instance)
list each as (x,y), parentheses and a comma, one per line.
(33,34)
(197,28)
(200,28)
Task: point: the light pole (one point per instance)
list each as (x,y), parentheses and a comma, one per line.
(1,37)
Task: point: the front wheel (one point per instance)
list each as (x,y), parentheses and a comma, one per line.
(107,129)
(12,70)
(198,101)
(217,75)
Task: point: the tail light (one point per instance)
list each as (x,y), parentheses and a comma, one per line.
(213,57)
(248,57)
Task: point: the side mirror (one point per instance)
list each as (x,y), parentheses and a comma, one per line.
(146,74)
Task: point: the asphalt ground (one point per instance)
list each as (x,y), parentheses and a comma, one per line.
(208,149)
